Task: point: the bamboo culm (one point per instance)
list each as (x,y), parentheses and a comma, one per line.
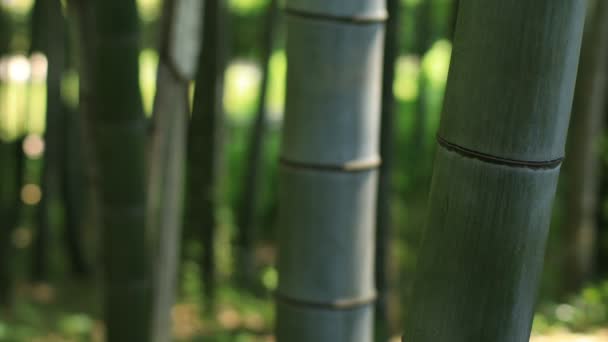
(81,20)
(204,143)
(383,207)
(583,151)
(48,36)
(501,141)
(119,129)
(248,202)
(329,169)
(180,37)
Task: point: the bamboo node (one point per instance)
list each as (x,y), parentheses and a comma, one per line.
(339,304)
(492,159)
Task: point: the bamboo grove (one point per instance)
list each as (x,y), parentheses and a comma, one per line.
(303,170)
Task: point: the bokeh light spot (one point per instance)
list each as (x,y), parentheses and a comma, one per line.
(33,146)
(31,194)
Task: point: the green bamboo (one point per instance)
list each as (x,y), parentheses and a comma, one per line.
(81,20)
(329,169)
(204,138)
(119,133)
(501,140)
(72,181)
(9,216)
(180,37)
(9,185)
(383,207)
(453,18)
(582,166)
(249,198)
(48,37)
(423,26)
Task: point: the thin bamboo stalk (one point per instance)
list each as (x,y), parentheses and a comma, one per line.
(383,207)
(249,199)
(48,37)
(81,20)
(204,142)
(180,39)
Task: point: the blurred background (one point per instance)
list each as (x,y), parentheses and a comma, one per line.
(49,280)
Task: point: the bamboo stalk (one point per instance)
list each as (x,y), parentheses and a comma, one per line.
(383,207)
(249,199)
(119,133)
(180,39)
(204,142)
(328,176)
(82,24)
(582,166)
(48,37)
(501,142)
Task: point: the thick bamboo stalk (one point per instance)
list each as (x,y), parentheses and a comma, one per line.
(180,39)
(501,142)
(583,150)
(204,141)
(383,207)
(119,132)
(249,199)
(328,176)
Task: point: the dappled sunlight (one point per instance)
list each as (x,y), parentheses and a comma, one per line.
(186,321)
(599,336)
(247,6)
(20,7)
(242,79)
(228,318)
(15,68)
(22,237)
(276,86)
(33,146)
(31,194)
(39,66)
(436,62)
(148,63)
(405,86)
(148,9)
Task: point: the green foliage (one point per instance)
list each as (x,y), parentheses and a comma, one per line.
(584,311)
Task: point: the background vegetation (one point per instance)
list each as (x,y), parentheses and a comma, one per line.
(66,307)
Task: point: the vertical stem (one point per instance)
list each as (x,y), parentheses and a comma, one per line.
(383,207)
(72,181)
(49,26)
(453,18)
(180,35)
(501,142)
(583,150)
(329,169)
(204,137)
(423,27)
(82,19)
(119,132)
(249,199)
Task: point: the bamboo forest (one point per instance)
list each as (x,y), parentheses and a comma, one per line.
(304,170)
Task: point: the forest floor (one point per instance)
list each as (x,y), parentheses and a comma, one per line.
(599,336)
